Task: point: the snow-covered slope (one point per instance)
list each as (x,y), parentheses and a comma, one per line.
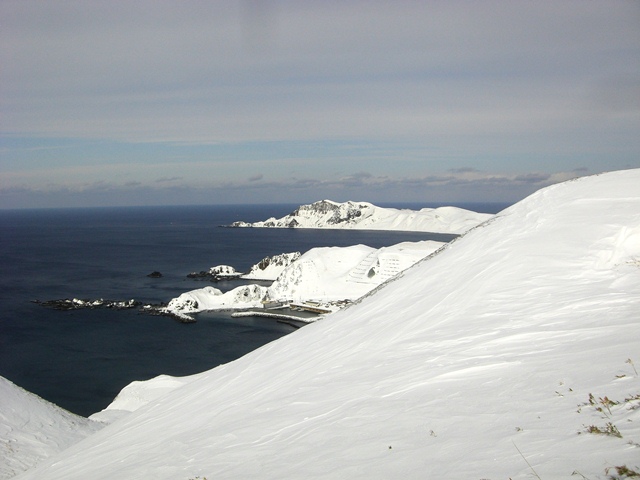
(326,274)
(138,394)
(365,216)
(346,273)
(503,355)
(32,429)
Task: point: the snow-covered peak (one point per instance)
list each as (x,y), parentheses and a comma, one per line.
(513,352)
(270,267)
(365,216)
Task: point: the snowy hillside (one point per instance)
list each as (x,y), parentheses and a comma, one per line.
(512,353)
(138,394)
(32,429)
(365,216)
(325,274)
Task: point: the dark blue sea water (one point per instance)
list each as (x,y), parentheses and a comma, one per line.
(81,359)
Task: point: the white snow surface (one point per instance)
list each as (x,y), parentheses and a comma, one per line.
(346,273)
(478,362)
(323,274)
(32,429)
(138,394)
(366,216)
(223,271)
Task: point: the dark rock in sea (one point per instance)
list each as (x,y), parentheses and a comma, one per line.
(201,275)
(155,274)
(120,305)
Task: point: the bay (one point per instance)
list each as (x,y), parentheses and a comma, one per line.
(81,359)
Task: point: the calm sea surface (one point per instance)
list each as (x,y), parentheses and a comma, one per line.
(81,359)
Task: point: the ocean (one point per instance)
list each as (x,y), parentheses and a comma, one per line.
(81,359)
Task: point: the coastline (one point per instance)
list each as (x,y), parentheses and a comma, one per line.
(292,320)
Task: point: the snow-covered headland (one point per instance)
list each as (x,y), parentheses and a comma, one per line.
(330,276)
(513,352)
(365,216)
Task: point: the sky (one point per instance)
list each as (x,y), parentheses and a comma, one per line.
(221,102)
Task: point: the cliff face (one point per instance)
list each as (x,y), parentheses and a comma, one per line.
(334,213)
(270,267)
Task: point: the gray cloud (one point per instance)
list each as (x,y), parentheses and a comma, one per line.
(168,179)
(360,187)
(353,180)
(533,177)
(146,70)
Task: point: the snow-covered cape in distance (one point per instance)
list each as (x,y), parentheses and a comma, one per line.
(514,350)
(365,216)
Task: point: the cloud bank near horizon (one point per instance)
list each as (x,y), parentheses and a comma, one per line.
(455,187)
(252,98)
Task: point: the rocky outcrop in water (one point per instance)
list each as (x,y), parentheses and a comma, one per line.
(77,304)
(216,274)
(67,304)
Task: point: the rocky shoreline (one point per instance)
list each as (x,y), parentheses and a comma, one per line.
(77,304)
(66,304)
